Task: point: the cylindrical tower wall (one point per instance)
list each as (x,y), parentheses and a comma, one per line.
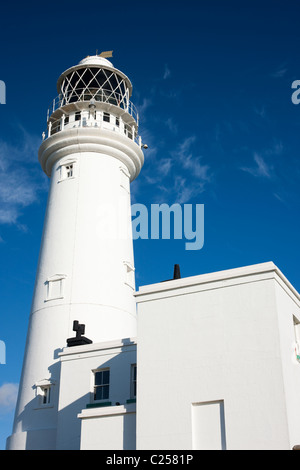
(86,265)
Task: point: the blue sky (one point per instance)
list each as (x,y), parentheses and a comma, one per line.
(212,82)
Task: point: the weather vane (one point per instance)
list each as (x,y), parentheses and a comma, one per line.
(105,54)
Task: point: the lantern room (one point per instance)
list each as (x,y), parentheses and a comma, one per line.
(93,94)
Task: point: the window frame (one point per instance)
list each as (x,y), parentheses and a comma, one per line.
(106,116)
(70,171)
(44,393)
(102,385)
(57,278)
(63,170)
(133,381)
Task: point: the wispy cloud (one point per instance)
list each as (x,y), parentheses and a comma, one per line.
(179,177)
(167,72)
(160,171)
(146,103)
(195,176)
(261,169)
(9,216)
(261,112)
(21,179)
(279,72)
(264,162)
(171,125)
(8,397)
(191,162)
(165,167)
(186,189)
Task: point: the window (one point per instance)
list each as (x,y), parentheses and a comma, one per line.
(117,121)
(133,381)
(101,384)
(55,287)
(67,170)
(77,115)
(66,119)
(128,131)
(46,395)
(106,117)
(44,390)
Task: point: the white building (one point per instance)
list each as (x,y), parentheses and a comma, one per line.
(208,362)
(217,362)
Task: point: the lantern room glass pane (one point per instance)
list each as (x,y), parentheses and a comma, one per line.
(85,84)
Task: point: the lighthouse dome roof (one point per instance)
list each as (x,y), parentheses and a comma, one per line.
(95,60)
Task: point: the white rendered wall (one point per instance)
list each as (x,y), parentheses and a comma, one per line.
(208,426)
(87,243)
(217,338)
(76,392)
(287,308)
(111,428)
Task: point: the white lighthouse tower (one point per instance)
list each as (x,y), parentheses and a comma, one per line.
(91,152)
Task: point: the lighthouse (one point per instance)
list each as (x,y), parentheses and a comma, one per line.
(91,151)
(208,362)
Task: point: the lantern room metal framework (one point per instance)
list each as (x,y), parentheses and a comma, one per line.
(107,92)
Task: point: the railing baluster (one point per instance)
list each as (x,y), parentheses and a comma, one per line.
(49,128)
(118,99)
